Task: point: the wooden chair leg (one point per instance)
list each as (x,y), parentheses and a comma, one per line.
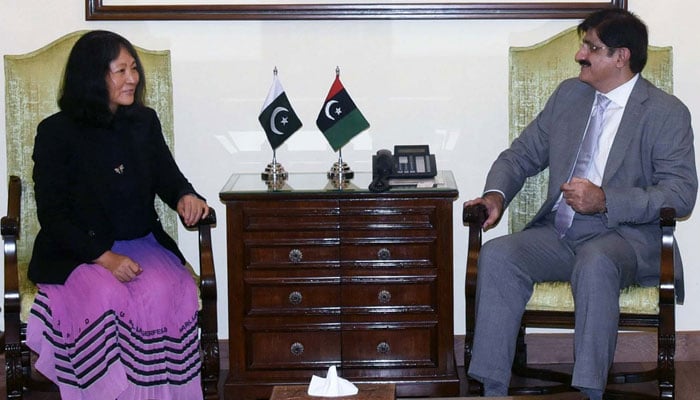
(210,366)
(14,379)
(666,366)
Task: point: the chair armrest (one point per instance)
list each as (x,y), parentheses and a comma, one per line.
(10,222)
(667,279)
(208,319)
(475,214)
(207,274)
(10,228)
(209,220)
(473,217)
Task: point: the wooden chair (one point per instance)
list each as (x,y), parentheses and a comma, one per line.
(32,83)
(534,73)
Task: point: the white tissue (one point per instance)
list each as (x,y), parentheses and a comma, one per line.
(331,386)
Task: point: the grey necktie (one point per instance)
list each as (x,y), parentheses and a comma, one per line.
(584,160)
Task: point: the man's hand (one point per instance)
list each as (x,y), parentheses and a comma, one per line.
(583,196)
(493,201)
(122,267)
(191,209)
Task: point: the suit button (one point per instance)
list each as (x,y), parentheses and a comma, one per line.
(92,233)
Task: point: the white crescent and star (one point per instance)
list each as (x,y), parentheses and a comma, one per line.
(276,111)
(328,109)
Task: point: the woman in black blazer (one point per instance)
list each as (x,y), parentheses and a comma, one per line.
(115,310)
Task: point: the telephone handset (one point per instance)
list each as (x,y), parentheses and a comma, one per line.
(407,162)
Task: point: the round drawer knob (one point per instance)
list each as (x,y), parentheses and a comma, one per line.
(295,256)
(384,296)
(384,254)
(383,348)
(295,298)
(297,348)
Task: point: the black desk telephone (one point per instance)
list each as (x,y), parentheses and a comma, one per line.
(407,162)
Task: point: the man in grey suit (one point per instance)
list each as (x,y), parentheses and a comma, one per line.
(644,161)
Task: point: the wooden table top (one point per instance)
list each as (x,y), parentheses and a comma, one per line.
(366,392)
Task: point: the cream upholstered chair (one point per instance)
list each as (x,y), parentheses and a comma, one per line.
(31,91)
(534,74)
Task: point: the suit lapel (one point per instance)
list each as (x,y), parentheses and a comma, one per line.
(581,110)
(574,122)
(629,127)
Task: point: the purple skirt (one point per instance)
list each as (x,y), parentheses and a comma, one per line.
(99,338)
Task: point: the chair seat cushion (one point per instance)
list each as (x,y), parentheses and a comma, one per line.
(557,296)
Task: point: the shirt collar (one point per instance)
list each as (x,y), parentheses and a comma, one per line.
(622,93)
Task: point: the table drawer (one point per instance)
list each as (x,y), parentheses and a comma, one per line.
(417,294)
(414,252)
(295,253)
(276,216)
(302,297)
(292,349)
(375,215)
(390,348)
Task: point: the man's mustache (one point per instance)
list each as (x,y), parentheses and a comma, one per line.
(584,63)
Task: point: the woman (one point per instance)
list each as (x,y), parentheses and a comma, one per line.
(113,317)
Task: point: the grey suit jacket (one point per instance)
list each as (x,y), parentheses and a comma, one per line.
(651,164)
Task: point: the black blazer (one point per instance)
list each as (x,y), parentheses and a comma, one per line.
(73,165)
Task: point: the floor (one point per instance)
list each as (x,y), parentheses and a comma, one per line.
(687,381)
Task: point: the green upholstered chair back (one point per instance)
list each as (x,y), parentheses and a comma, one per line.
(535,72)
(32,84)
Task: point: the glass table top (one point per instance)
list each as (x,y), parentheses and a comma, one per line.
(317,182)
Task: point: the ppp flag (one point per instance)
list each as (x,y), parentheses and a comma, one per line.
(277,116)
(339,119)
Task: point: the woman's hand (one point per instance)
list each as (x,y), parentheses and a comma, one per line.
(191,209)
(122,267)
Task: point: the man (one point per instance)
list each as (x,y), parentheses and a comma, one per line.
(638,159)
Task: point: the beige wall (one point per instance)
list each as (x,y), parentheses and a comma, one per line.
(438,82)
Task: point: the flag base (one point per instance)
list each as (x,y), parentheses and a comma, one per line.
(340,171)
(274,172)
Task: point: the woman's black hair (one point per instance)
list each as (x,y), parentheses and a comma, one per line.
(84,93)
(618,28)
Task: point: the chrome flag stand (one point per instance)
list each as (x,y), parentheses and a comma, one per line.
(340,171)
(274,172)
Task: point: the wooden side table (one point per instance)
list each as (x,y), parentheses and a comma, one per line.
(320,276)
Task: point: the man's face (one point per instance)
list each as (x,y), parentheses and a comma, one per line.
(600,64)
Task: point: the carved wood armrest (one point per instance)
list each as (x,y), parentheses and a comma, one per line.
(10,227)
(208,319)
(207,273)
(667,279)
(473,217)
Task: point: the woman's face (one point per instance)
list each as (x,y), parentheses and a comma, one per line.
(122,79)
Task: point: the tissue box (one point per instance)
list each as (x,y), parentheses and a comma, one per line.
(367,391)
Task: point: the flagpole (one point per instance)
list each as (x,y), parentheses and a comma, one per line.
(339,124)
(274,175)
